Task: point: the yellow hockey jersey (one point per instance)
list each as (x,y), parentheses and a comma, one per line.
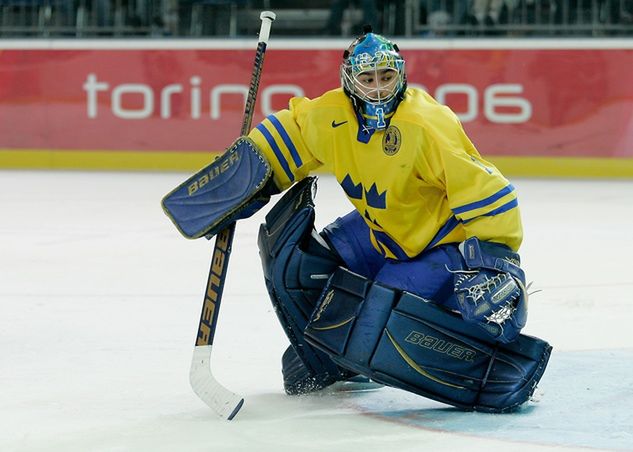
(418,183)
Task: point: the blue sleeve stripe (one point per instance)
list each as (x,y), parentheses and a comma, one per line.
(280,157)
(484,202)
(504,208)
(284,136)
(450,224)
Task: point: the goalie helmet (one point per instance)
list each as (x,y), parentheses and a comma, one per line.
(373,76)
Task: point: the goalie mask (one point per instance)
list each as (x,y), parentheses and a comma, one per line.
(373,76)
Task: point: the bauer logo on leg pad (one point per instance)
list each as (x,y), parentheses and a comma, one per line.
(420,347)
(441,346)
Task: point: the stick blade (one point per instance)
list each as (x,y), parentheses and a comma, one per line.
(224,402)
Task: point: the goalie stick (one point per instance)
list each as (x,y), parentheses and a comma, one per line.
(221,400)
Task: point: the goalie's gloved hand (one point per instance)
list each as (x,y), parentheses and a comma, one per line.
(491,291)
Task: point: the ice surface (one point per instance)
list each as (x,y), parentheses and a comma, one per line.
(100,299)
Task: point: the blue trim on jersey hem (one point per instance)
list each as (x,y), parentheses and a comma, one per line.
(287,140)
(448,227)
(484,202)
(504,208)
(280,157)
(384,240)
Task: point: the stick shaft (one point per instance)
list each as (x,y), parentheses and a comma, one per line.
(267,18)
(224,402)
(224,240)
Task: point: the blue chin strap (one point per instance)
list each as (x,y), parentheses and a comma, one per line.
(378,116)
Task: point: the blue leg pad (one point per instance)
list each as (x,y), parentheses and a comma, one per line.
(296,267)
(405,341)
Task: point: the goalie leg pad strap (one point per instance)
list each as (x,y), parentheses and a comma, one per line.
(232,187)
(296,267)
(404,341)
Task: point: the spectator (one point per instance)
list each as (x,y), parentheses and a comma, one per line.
(441,14)
(619,14)
(490,13)
(540,13)
(338,7)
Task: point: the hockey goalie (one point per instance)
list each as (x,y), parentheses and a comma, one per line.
(420,286)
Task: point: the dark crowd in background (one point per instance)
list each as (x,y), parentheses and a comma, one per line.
(316,18)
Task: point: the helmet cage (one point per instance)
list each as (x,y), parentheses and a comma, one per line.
(374,66)
(370,55)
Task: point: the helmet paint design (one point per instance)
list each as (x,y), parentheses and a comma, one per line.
(373,76)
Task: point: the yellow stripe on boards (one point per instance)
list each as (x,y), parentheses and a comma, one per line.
(191,161)
(104,160)
(564,167)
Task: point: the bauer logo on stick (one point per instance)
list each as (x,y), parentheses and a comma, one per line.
(224,402)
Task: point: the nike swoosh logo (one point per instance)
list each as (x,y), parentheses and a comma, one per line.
(336,124)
